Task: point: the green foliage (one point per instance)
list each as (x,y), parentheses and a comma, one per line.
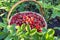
(28,28)
(24,32)
(46,4)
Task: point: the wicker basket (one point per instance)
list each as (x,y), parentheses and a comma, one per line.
(8,17)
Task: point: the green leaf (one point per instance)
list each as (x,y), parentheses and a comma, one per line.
(22,38)
(14,37)
(36,37)
(55,13)
(50,38)
(8,37)
(23,27)
(58,28)
(40,33)
(33,31)
(28,28)
(3,35)
(46,35)
(50,32)
(20,28)
(27,33)
(43,38)
(55,38)
(3,25)
(12,29)
(22,35)
(5,29)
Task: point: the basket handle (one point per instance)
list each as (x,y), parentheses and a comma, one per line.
(20,3)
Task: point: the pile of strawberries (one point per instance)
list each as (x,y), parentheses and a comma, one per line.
(33,19)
